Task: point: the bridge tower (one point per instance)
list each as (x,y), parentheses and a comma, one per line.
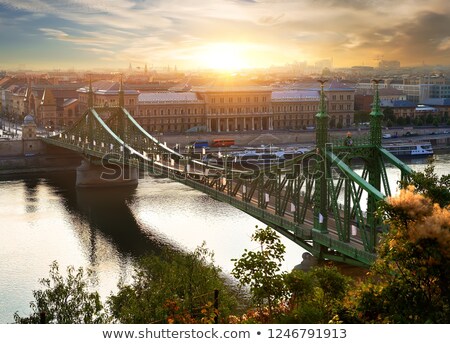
(96,170)
(320,175)
(375,162)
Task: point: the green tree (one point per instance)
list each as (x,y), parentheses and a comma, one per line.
(175,287)
(315,296)
(410,281)
(437,189)
(66,300)
(260,270)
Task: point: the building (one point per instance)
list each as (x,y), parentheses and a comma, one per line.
(364,98)
(225,107)
(384,64)
(442,105)
(53,105)
(106,94)
(400,108)
(340,103)
(295,109)
(416,89)
(242,108)
(170,111)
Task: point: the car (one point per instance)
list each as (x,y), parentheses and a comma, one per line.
(387,136)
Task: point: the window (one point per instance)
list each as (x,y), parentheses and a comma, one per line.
(230,100)
(334,97)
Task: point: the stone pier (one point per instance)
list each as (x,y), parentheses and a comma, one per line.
(90,175)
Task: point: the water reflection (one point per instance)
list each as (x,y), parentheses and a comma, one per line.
(31,199)
(107,211)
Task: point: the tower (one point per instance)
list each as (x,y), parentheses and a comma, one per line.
(47,108)
(321,197)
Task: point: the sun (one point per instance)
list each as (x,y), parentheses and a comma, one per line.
(224,56)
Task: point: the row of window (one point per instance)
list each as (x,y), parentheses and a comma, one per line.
(341,107)
(341,97)
(264,109)
(221,100)
(169,112)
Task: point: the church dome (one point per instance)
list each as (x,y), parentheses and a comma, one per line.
(29,119)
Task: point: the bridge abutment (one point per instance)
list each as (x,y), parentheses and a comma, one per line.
(90,175)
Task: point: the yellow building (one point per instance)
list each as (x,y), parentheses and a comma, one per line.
(225,108)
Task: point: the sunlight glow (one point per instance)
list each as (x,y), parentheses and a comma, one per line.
(224,56)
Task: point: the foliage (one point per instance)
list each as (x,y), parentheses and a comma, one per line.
(315,296)
(410,281)
(66,300)
(437,189)
(173,288)
(260,269)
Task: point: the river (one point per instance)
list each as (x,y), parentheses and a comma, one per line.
(45,218)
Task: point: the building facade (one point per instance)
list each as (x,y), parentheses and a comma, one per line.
(225,108)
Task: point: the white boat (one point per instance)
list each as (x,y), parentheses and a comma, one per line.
(410,149)
(256,157)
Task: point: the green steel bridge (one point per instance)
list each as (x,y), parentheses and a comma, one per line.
(316,199)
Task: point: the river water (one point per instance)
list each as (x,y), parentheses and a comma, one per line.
(44,218)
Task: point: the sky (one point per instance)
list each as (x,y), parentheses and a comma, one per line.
(221,34)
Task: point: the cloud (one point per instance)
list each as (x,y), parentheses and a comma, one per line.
(158,30)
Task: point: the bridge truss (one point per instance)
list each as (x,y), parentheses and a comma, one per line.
(316,199)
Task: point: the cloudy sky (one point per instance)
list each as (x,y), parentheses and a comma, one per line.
(221,33)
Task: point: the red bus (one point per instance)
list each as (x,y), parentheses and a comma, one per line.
(222,143)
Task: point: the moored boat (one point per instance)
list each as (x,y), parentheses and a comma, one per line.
(410,149)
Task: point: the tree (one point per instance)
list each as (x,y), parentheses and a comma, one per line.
(66,300)
(175,287)
(260,269)
(410,281)
(427,183)
(315,296)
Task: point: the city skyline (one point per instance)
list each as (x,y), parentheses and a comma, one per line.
(221,34)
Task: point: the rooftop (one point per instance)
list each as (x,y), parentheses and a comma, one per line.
(168,97)
(295,95)
(437,102)
(397,103)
